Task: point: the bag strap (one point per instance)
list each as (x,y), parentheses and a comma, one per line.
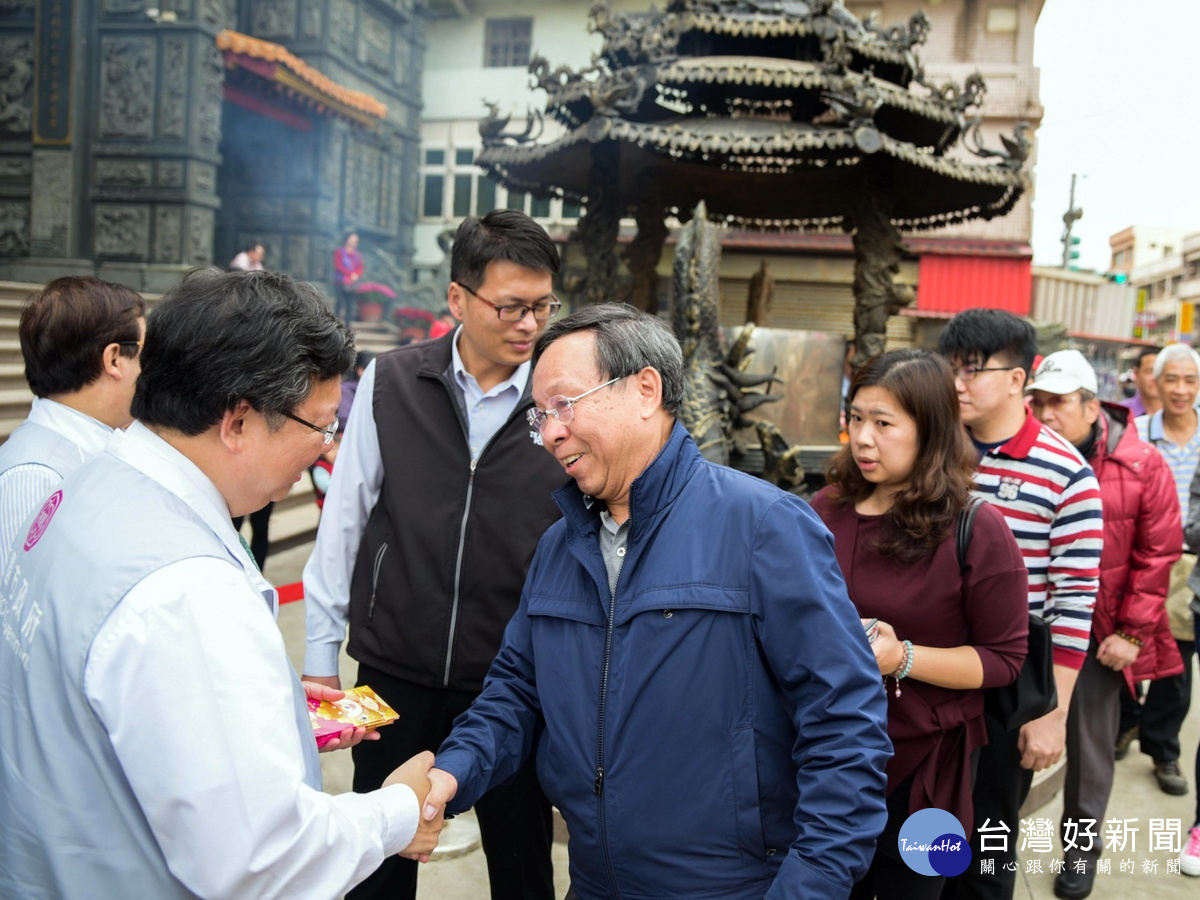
(966,519)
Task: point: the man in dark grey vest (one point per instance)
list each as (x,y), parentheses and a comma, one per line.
(154,739)
(80,338)
(437,501)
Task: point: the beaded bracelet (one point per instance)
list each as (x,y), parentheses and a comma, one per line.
(1137,642)
(905,666)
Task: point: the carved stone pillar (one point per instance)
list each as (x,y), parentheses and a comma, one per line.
(645,250)
(878,249)
(599,227)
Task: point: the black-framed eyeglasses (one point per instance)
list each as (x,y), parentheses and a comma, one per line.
(561,408)
(515,312)
(138,344)
(327,433)
(968,373)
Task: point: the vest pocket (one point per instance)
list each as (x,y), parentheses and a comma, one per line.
(376,566)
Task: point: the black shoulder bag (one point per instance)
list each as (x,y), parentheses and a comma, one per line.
(1034,693)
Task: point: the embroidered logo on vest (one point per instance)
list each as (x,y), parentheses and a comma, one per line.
(42,522)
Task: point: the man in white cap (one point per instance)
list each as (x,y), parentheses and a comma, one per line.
(1131,638)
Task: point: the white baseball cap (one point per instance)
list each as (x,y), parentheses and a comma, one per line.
(1064,372)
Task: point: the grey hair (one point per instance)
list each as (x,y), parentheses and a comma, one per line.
(1173,352)
(627,341)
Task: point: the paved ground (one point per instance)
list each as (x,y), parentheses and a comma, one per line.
(1136,797)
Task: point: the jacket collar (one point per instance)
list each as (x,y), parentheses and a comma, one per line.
(1118,441)
(652,492)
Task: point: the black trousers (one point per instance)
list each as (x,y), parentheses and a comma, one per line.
(515,820)
(1159,718)
(889,878)
(1001,786)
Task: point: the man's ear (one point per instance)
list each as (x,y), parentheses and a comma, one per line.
(234,425)
(649,388)
(1018,378)
(455,300)
(111,360)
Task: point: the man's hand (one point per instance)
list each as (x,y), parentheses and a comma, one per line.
(1041,741)
(1117,653)
(415,773)
(443,788)
(319,689)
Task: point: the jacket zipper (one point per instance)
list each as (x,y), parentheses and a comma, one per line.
(458,563)
(375,579)
(598,785)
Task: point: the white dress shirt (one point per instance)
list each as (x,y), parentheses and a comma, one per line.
(190,677)
(354,491)
(24,487)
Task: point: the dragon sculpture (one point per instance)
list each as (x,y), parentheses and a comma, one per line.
(491,127)
(717,394)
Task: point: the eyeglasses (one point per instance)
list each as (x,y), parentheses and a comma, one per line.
(968,373)
(328,432)
(515,312)
(561,408)
(138,344)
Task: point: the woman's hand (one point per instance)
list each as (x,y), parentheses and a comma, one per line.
(889,652)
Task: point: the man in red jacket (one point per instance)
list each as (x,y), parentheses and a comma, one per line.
(1131,637)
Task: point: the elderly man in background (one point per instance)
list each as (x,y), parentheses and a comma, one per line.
(1131,638)
(685,664)
(1175,431)
(81,339)
(154,739)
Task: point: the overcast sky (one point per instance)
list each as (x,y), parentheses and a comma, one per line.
(1121,88)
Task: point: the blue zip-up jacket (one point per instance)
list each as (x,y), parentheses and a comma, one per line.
(715,729)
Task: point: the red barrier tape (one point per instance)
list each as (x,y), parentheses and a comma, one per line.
(290,593)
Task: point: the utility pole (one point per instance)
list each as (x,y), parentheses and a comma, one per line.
(1070,217)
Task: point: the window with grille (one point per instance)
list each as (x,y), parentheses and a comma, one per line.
(507,42)
(454,187)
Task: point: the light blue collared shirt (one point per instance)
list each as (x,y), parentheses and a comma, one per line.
(486,411)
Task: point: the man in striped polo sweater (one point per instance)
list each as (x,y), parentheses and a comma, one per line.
(1051,500)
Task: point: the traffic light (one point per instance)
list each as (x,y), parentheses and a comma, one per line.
(1118,277)
(1072,247)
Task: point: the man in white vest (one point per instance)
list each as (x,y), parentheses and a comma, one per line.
(154,739)
(81,339)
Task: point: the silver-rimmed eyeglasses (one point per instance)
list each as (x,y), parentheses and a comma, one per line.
(515,312)
(327,433)
(561,408)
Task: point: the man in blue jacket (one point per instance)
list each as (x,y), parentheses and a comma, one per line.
(685,664)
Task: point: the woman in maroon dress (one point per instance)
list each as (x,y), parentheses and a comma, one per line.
(945,631)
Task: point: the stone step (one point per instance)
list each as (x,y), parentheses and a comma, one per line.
(10,349)
(10,310)
(12,376)
(15,402)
